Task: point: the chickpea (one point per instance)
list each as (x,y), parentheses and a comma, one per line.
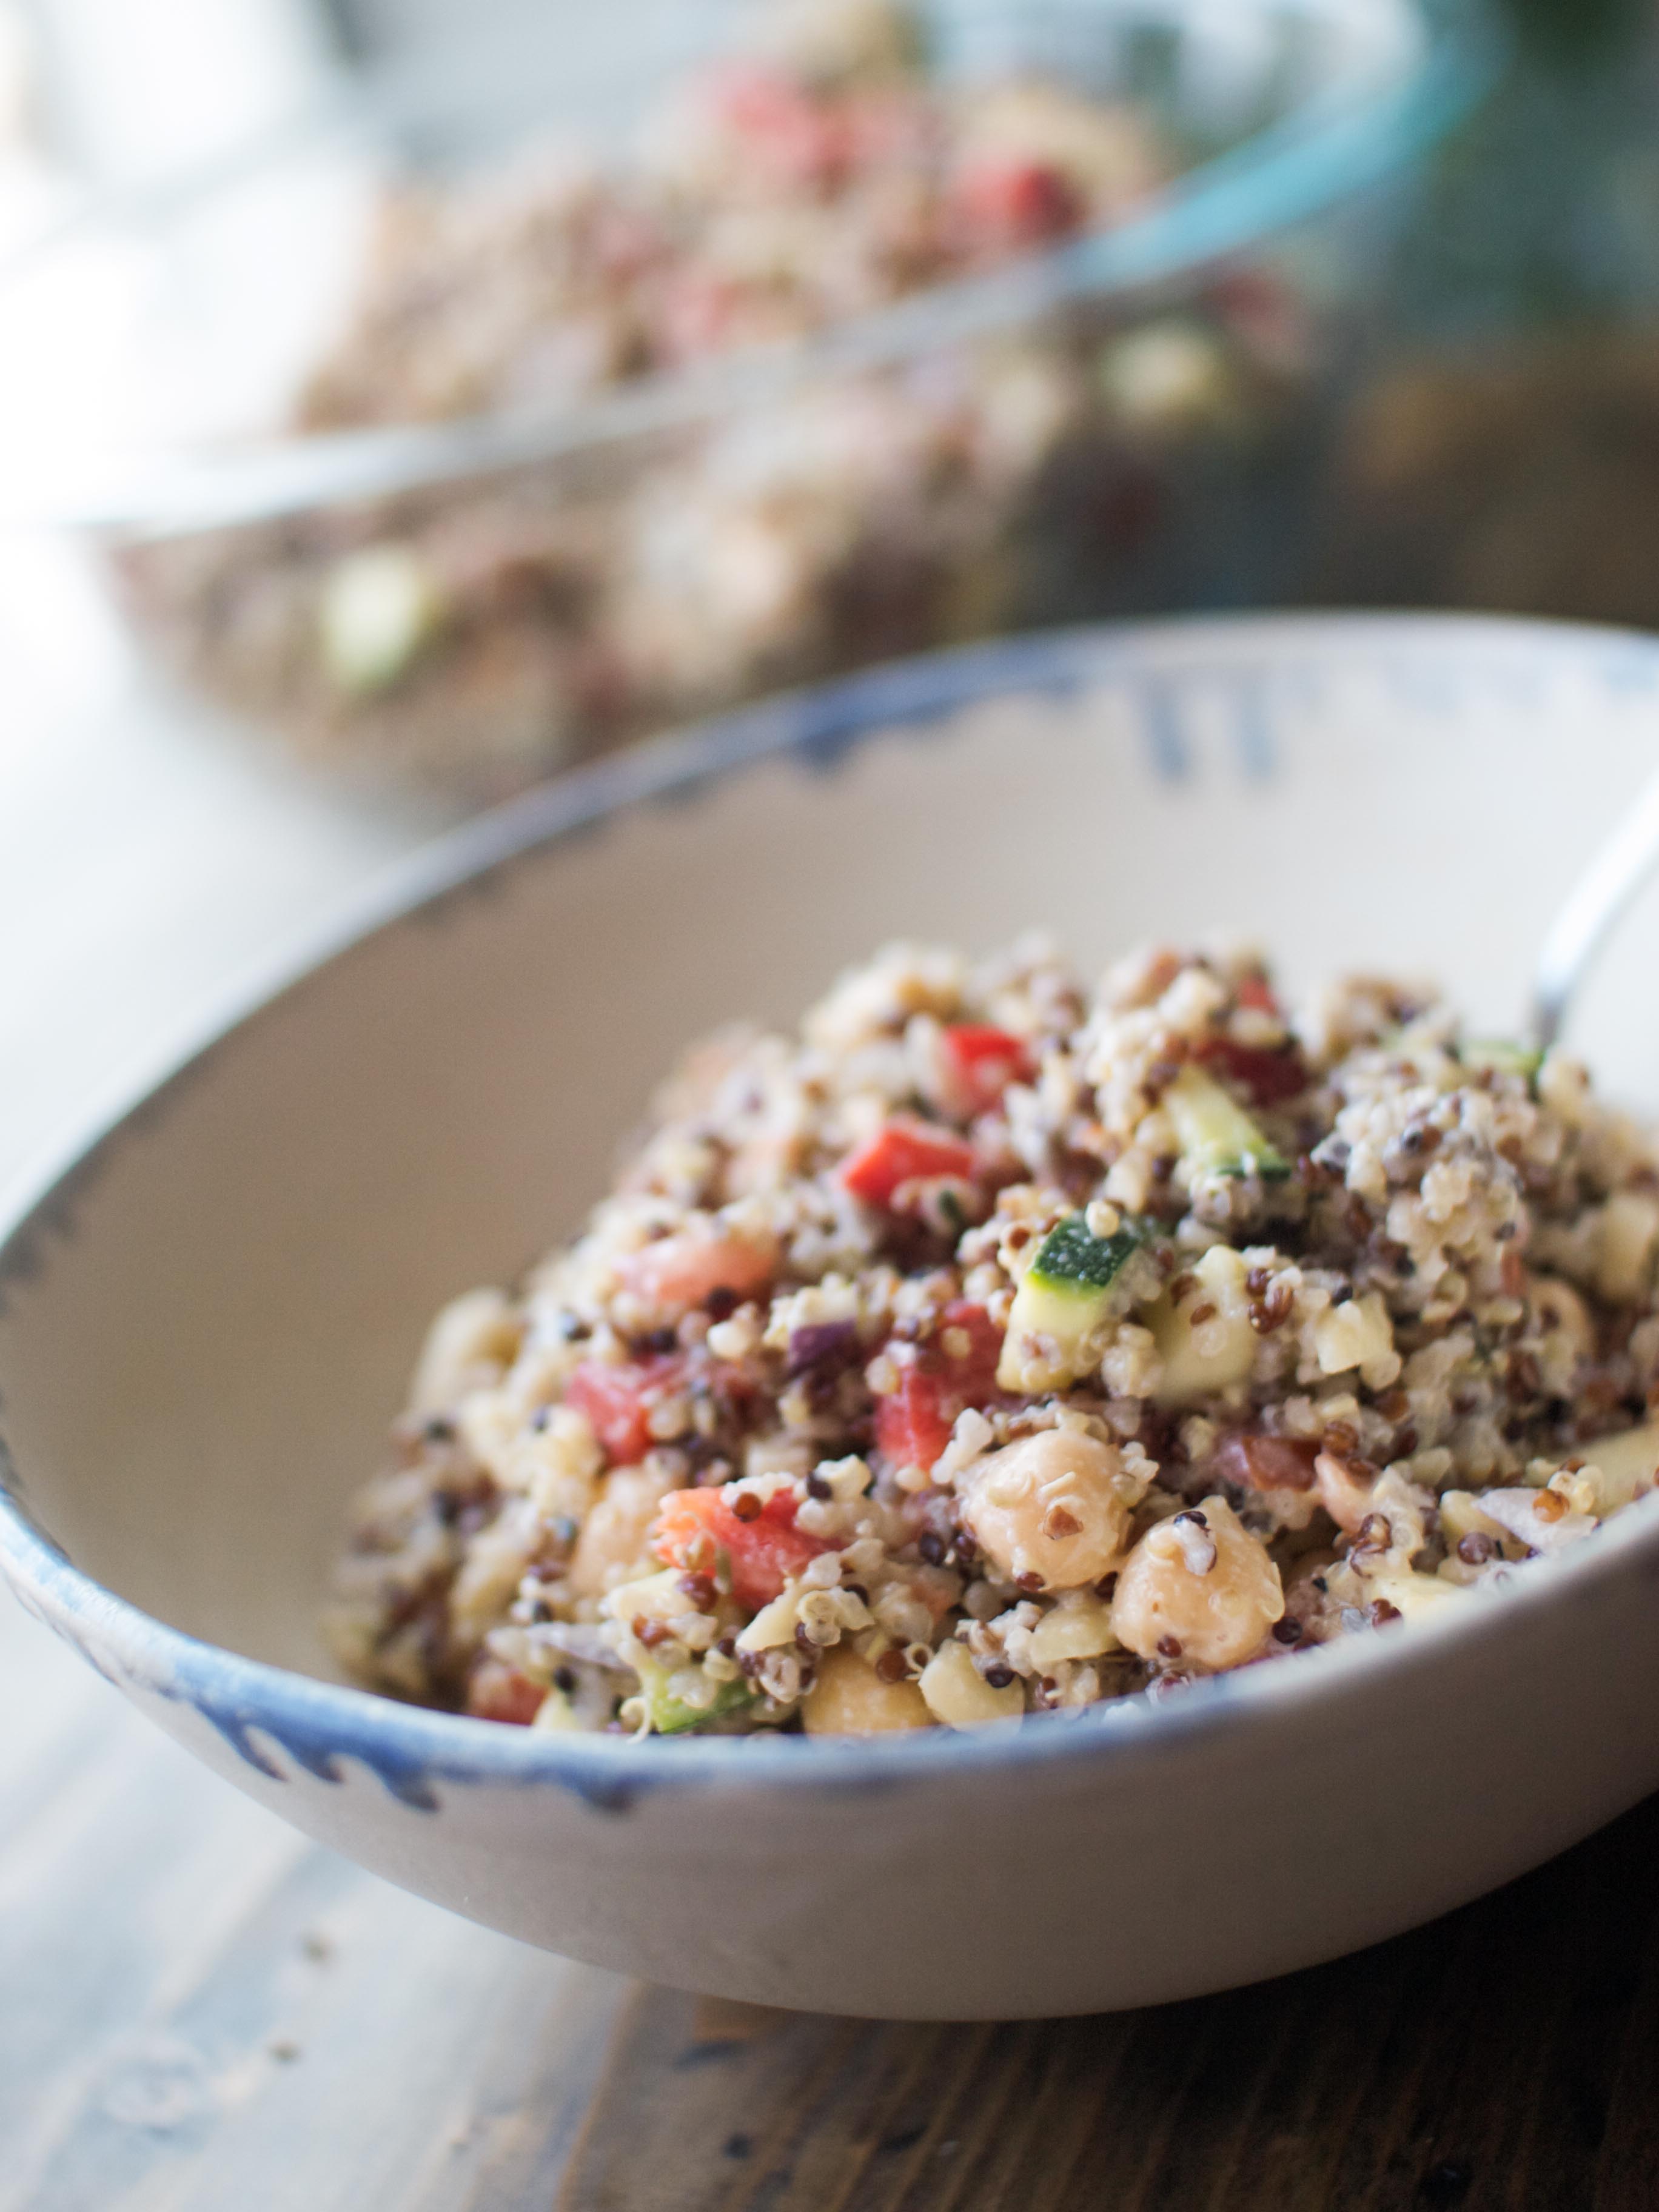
(850,1698)
(1204,1584)
(615,1537)
(1056,1505)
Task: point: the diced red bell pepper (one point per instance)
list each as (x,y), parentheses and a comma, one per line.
(913,1423)
(497,1692)
(904,1150)
(694,1526)
(617,1399)
(1011,200)
(1267,1075)
(1261,1462)
(911,1428)
(984,1060)
(976,1369)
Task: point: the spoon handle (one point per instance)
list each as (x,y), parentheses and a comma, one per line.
(1602,892)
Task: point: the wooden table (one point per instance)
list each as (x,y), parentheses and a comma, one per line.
(202,2012)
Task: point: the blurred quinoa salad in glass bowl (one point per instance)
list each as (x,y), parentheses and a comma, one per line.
(992,1347)
(858,330)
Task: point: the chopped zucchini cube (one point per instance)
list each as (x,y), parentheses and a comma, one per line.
(1072,1287)
(1211,1355)
(379,607)
(1074,1260)
(672,1716)
(1216,1135)
(1502,1055)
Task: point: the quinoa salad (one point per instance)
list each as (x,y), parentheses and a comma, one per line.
(996,1346)
(475,635)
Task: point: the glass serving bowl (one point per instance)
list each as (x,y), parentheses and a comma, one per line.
(369,473)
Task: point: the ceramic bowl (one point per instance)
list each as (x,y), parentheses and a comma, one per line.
(209,1316)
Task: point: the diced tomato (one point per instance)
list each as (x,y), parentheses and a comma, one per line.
(976,1369)
(984,1061)
(1259,1462)
(911,1428)
(617,1399)
(500,1692)
(1011,200)
(904,1150)
(695,1525)
(913,1423)
(1267,1076)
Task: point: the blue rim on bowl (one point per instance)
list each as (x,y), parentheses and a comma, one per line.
(318,1723)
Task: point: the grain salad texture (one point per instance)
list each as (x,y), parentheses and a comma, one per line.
(475,633)
(994,1347)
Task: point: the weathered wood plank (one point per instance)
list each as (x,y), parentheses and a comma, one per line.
(1504,2060)
(200,2009)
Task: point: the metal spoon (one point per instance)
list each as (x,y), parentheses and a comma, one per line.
(1616,873)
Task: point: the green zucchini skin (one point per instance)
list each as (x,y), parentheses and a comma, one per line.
(1503,1056)
(670,1718)
(1073,1260)
(1070,1289)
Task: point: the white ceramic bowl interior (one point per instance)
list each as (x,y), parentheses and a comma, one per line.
(208,1323)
